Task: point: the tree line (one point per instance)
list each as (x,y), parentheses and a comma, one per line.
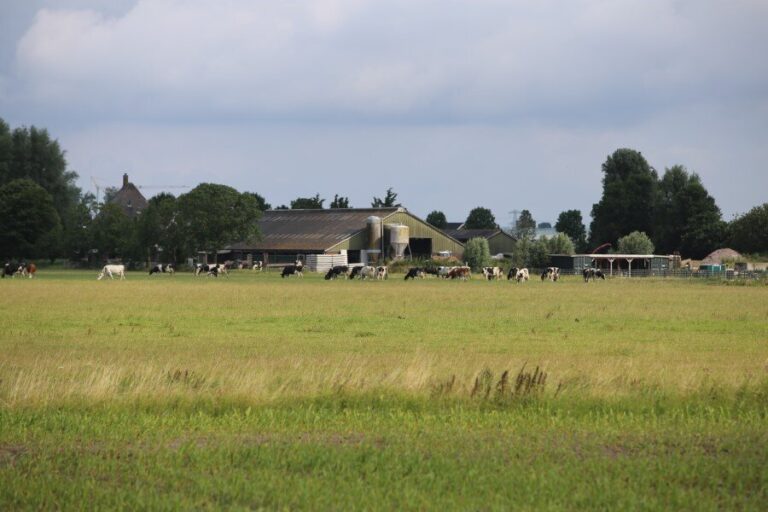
(43,214)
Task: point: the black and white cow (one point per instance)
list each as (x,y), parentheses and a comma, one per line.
(590,274)
(161,268)
(368,272)
(551,273)
(521,275)
(491,273)
(433,271)
(338,270)
(293,270)
(355,271)
(257,265)
(11,269)
(512,274)
(382,272)
(415,272)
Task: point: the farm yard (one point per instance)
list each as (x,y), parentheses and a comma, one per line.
(252,391)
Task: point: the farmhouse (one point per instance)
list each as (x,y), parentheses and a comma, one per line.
(129,198)
(617,263)
(360,234)
(499,241)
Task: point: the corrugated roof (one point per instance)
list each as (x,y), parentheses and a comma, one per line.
(453,225)
(310,230)
(462,235)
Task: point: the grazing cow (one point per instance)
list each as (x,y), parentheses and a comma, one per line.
(368,272)
(110,270)
(444,271)
(551,273)
(382,272)
(293,270)
(512,274)
(415,272)
(462,273)
(522,275)
(592,274)
(161,268)
(11,269)
(355,271)
(491,273)
(28,269)
(432,271)
(336,271)
(257,266)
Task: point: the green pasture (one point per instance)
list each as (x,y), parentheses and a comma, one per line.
(176,392)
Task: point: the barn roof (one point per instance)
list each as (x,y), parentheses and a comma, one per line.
(453,225)
(463,235)
(310,230)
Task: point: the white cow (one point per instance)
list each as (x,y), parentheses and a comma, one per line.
(492,273)
(522,275)
(382,272)
(110,270)
(368,272)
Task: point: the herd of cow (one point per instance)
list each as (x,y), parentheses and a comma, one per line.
(340,271)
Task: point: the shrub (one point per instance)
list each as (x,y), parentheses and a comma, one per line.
(477,254)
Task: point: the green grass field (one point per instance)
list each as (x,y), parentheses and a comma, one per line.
(256,392)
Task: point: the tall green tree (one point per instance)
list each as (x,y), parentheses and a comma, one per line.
(390,200)
(260,201)
(112,233)
(636,242)
(339,202)
(525,227)
(159,233)
(477,253)
(212,216)
(480,218)
(307,203)
(629,196)
(749,232)
(27,215)
(437,218)
(571,223)
(78,238)
(687,219)
(560,244)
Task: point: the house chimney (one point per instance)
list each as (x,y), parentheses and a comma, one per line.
(125,180)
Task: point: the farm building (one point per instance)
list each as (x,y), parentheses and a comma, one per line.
(129,198)
(616,263)
(499,241)
(362,234)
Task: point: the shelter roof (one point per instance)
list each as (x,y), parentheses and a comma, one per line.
(462,235)
(310,230)
(453,225)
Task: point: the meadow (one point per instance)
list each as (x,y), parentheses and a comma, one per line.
(257,392)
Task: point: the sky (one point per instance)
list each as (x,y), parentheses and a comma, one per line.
(454,104)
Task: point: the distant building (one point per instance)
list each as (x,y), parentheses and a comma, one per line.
(129,198)
(499,241)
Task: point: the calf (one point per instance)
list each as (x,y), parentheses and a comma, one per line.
(551,273)
(161,268)
(368,272)
(110,270)
(592,274)
(293,270)
(415,272)
(337,271)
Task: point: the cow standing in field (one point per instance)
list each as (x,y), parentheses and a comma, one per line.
(11,269)
(382,272)
(432,271)
(257,266)
(415,272)
(462,273)
(161,268)
(355,271)
(293,270)
(551,273)
(522,275)
(111,270)
(338,270)
(28,269)
(491,273)
(368,272)
(590,274)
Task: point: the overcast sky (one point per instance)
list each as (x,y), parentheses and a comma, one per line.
(453,103)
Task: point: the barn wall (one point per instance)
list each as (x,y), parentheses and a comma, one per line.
(420,229)
(501,243)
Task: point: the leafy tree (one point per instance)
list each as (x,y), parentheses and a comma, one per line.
(538,253)
(636,242)
(109,194)
(477,253)
(571,223)
(525,227)
(339,202)
(27,214)
(78,235)
(480,218)
(749,233)
(308,203)
(629,195)
(687,219)
(560,244)
(212,216)
(158,228)
(437,218)
(522,253)
(389,200)
(260,201)
(112,233)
